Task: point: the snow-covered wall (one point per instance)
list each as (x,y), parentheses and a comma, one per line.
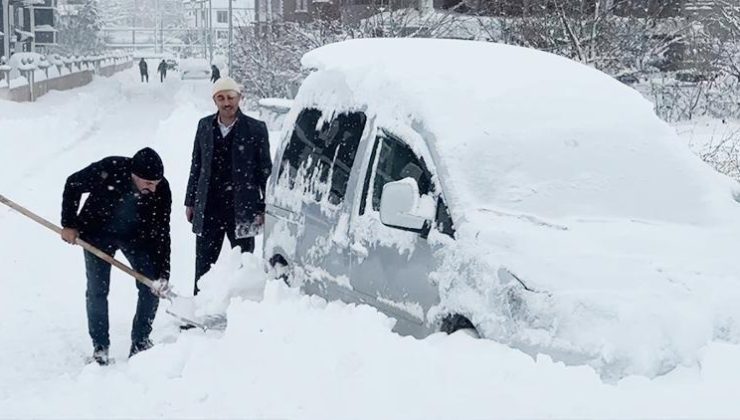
(20,92)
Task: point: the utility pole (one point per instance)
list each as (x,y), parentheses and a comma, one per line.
(205,27)
(6,28)
(156,23)
(231,34)
(33,26)
(133,25)
(210,31)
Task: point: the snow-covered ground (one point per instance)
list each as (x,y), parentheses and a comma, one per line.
(283,354)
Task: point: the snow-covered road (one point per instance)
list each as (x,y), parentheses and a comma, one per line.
(283,355)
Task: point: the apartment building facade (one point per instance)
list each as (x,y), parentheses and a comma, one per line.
(27,25)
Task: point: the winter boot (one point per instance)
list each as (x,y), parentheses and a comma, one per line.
(140,346)
(100,356)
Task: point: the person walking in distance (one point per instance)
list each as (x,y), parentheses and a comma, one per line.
(162,70)
(144,70)
(215,73)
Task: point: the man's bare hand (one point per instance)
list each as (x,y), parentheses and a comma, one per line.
(161,288)
(70,235)
(259,219)
(189,214)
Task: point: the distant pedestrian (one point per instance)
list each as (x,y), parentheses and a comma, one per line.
(162,69)
(144,70)
(215,73)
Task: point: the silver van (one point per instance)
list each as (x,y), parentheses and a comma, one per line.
(330,173)
(469,185)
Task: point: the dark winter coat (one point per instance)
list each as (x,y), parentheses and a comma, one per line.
(162,68)
(251,166)
(143,69)
(107,181)
(215,73)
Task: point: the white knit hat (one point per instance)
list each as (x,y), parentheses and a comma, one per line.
(226,83)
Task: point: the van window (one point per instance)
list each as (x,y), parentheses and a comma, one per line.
(336,149)
(331,149)
(397,161)
(444,219)
(301,145)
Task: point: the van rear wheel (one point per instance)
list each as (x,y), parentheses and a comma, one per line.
(459,324)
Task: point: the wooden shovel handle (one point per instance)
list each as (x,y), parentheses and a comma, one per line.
(100,254)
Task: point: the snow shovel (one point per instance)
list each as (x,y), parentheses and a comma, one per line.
(182,308)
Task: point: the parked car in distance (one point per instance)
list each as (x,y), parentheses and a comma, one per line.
(171,64)
(194,68)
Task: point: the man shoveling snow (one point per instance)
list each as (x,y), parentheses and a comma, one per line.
(128,209)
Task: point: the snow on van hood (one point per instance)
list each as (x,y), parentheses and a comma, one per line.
(624,296)
(521,129)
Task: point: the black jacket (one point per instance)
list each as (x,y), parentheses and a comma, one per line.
(143,68)
(215,73)
(162,68)
(251,166)
(106,181)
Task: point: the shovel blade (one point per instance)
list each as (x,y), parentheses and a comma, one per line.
(184,310)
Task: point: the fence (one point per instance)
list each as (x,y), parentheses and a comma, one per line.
(35,83)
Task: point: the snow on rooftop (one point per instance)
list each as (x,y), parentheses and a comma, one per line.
(520,129)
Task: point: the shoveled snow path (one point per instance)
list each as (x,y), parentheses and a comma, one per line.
(42,304)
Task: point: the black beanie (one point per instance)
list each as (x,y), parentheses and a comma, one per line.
(147,164)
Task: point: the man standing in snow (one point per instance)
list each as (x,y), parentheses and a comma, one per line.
(128,209)
(162,69)
(228,174)
(144,70)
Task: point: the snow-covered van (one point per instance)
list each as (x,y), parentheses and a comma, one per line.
(461,184)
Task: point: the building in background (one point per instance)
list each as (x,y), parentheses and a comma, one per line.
(197,15)
(27,25)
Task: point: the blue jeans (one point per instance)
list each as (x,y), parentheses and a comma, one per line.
(98,285)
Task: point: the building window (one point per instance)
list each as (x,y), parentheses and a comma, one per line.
(301,5)
(222,16)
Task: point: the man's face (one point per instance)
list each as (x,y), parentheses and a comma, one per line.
(227,102)
(145,186)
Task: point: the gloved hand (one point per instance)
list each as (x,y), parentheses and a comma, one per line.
(160,287)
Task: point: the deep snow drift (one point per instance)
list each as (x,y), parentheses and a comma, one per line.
(283,354)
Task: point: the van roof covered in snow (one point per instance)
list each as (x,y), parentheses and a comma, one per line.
(518,129)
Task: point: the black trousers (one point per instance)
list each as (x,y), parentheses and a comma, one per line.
(208,244)
(98,285)
(145,76)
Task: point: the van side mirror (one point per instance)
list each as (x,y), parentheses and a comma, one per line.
(402,207)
